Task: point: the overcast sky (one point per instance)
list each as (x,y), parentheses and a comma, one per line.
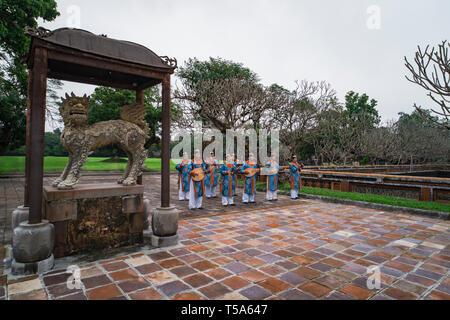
(352,44)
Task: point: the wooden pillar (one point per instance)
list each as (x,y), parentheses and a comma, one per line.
(165,158)
(35,148)
(26,200)
(139,100)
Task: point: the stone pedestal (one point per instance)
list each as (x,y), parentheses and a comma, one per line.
(20,214)
(165,227)
(94,216)
(33,248)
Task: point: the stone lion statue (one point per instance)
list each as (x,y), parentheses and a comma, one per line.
(129,134)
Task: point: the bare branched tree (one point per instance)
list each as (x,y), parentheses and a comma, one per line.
(298,115)
(226,103)
(436,81)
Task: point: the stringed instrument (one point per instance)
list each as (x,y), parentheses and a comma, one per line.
(198,174)
(251,172)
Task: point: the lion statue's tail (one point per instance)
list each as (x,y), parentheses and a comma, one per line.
(135,113)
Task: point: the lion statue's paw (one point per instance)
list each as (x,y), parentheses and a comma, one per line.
(56,183)
(129,182)
(120,181)
(65,186)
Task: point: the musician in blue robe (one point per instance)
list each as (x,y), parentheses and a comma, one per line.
(272,179)
(197,188)
(228,184)
(236,164)
(183,177)
(212,177)
(250,182)
(294,177)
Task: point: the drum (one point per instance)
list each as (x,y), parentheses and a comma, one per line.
(251,172)
(198,174)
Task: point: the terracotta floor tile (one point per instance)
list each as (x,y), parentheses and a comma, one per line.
(437,295)
(183,271)
(39,294)
(254,276)
(133,284)
(115,266)
(218,273)
(90,272)
(315,289)
(399,294)
(308,273)
(103,293)
(235,282)
(197,280)
(255,293)
(203,265)
(171,263)
(160,277)
(160,256)
(24,286)
(149,268)
(146,294)
(172,288)
(333,262)
(275,285)
(95,281)
(188,296)
(357,292)
(123,275)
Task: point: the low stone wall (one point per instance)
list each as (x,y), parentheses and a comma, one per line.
(96,216)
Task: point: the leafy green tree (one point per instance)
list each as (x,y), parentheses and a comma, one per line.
(359,105)
(53,145)
(15,15)
(195,71)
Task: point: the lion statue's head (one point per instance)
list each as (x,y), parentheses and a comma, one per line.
(74,110)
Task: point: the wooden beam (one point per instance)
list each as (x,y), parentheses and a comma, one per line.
(37,97)
(79,79)
(93,61)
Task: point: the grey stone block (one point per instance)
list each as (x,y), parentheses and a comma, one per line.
(20,214)
(61,210)
(19,268)
(161,242)
(165,222)
(132,204)
(33,242)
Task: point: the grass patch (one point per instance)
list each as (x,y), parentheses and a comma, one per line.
(17,164)
(366,197)
(373,198)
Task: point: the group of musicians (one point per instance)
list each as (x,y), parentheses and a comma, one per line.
(197,178)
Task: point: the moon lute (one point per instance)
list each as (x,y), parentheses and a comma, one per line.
(198,174)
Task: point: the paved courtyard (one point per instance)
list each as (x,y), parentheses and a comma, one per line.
(308,250)
(12,191)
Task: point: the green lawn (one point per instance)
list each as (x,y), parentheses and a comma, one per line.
(17,164)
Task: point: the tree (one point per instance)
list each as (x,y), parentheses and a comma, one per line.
(421,140)
(433,74)
(220,93)
(298,114)
(14,17)
(53,145)
(357,105)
